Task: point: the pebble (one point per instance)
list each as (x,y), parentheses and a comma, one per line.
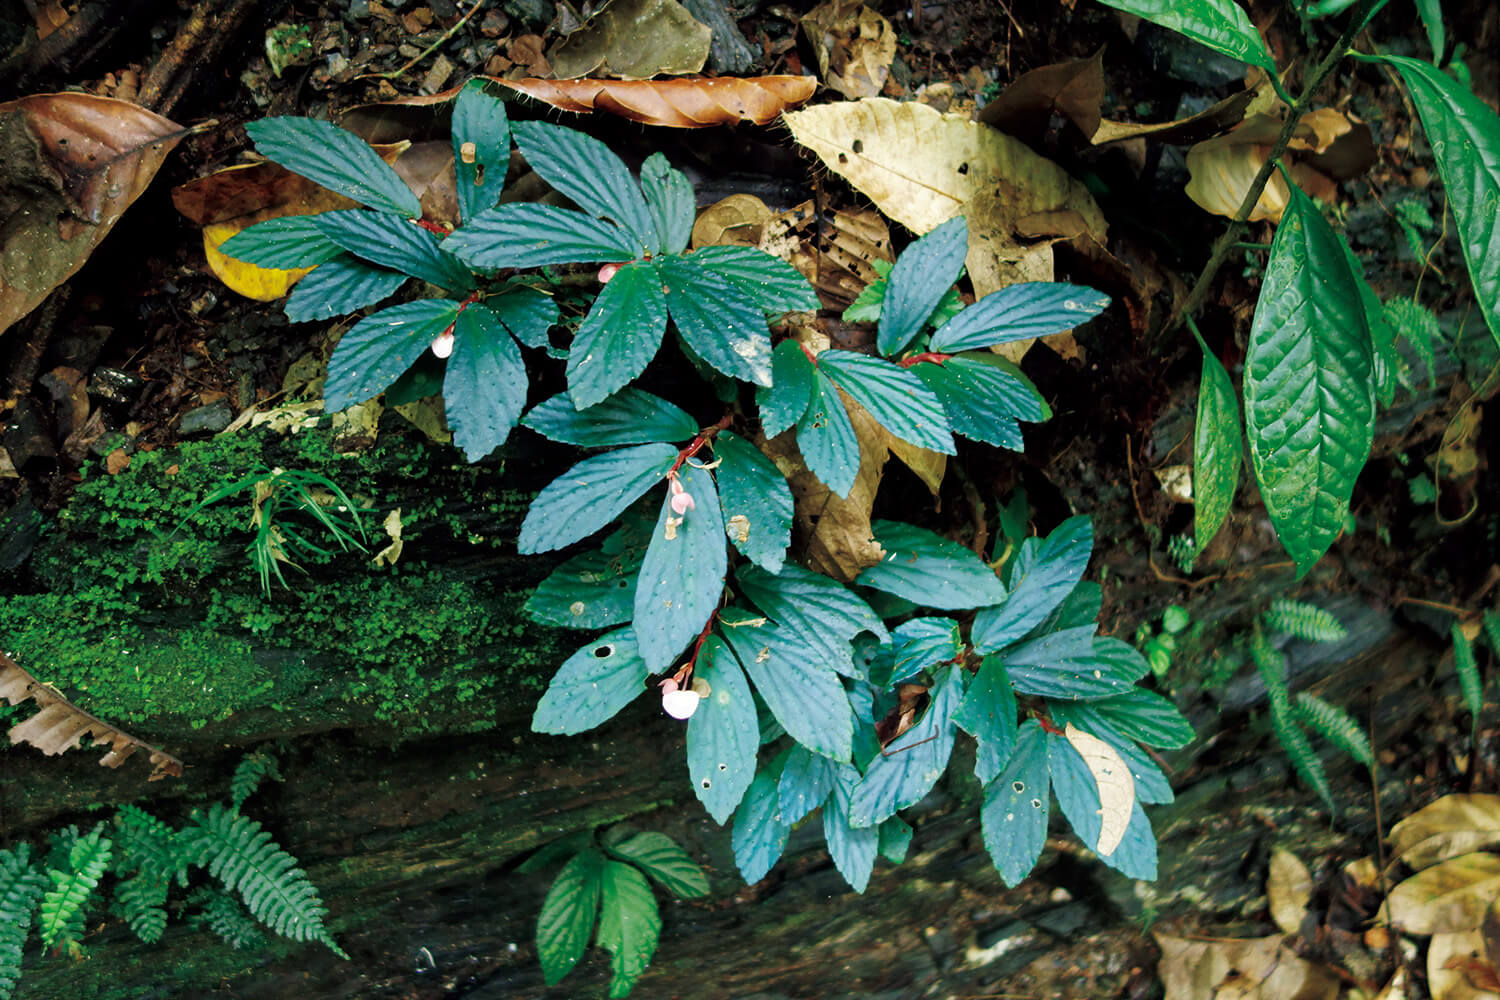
(210,419)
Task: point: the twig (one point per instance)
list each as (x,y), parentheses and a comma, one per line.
(392,74)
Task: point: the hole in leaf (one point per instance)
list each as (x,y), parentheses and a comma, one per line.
(605,651)
(859,146)
(963,168)
(705,782)
(843,158)
(1019,786)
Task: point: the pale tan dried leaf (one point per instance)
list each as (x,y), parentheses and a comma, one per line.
(634,40)
(738,220)
(691,102)
(1399,987)
(60,724)
(1247,969)
(1073,89)
(928,465)
(392,552)
(70,165)
(1451,826)
(854,46)
(1116,786)
(1447,898)
(1457,968)
(835,257)
(1206,124)
(1363,872)
(1288,890)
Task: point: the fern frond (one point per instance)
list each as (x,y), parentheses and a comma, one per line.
(245,858)
(227,918)
(1335,725)
(21,886)
(1415,324)
(248,775)
(1469,680)
(63,905)
(142,902)
(146,845)
(1305,621)
(1492,631)
(1272,667)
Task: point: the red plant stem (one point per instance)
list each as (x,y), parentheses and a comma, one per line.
(702,638)
(432,227)
(930,356)
(808,351)
(704,436)
(1049,725)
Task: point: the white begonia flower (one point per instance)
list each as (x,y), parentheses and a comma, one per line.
(680,704)
(443,345)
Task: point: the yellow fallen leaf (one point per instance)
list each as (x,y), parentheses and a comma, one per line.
(1116,786)
(263,284)
(1457,968)
(1243,969)
(1447,898)
(1288,890)
(1452,826)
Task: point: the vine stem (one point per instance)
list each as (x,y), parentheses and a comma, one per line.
(704,436)
(1225,244)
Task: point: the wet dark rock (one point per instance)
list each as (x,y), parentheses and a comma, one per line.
(20,526)
(208,419)
(728,51)
(532,12)
(25,437)
(113,385)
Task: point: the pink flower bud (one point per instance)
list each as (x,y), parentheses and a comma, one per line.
(606,272)
(680,704)
(443,345)
(682,503)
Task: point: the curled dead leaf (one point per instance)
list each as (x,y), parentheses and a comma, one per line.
(836,257)
(1073,89)
(1246,969)
(854,46)
(686,102)
(1453,825)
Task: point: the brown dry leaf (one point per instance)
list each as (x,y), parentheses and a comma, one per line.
(70,165)
(634,40)
(1074,90)
(1449,897)
(1288,890)
(692,102)
(1249,969)
(737,220)
(60,724)
(1457,968)
(1452,826)
(930,466)
(1206,124)
(836,256)
(854,46)
(116,462)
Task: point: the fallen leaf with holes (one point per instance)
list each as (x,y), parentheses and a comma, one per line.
(836,257)
(1249,969)
(1454,825)
(854,46)
(921,167)
(1073,89)
(70,165)
(692,102)
(1457,968)
(1449,897)
(633,40)
(1116,786)
(1288,890)
(61,725)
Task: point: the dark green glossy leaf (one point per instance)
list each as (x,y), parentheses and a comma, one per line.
(1019,312)
(669,196)
(922,644)
(1431,13)
(929,569)
(825,613)
(481,148)
(338,160)
(989,715)
(567,917)
(905,771)
(629,924)
(1080,607)
(895,838)
(920,278)
(984,396)
(1309,385)
(895,397)
(724,734)
(1065,665)
(867,306)
(588,171)
(592,685)
(527,313)
(1148,717)
(722,325)
(1014,815)
(423,379)
(1222,25)
(759,834)
(804,695)
(1120,658)
(1078,795)
(591,495)
(289,242)
(524,235)
(806,780)
(1464,134)
(590,591)
(1386,359)
(1038,585)
(826,438)
(619,336)
(340,285)
(630,416)
(775,286)
(793,379)
(397,243)
(682,577)
(852,849)
(757,501)
(378,348)
(1217,453)
(658,855)
(484,389)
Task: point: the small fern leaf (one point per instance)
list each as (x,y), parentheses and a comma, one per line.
(244,857)
(1335,725)
(1469,680)
(1272,667)
(142,902)
(248,775)
(21,888)
(226,917)
(63,905)
(146,845)
(1305,621)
